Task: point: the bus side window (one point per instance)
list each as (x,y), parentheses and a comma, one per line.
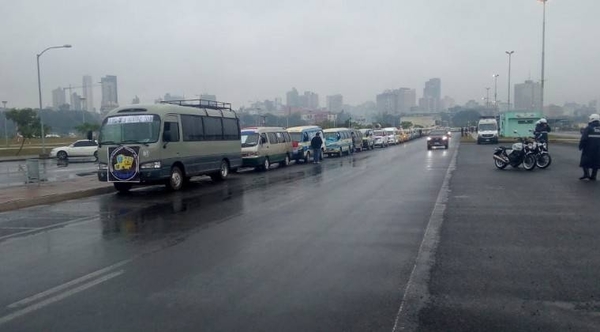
(305,137)
(173,129)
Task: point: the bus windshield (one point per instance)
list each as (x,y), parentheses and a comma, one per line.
(332,136)
(122,129)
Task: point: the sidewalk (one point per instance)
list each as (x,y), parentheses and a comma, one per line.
(18,158)
(14,198)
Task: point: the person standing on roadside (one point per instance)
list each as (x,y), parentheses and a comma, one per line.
(541,130)
(315,145)
(589,145)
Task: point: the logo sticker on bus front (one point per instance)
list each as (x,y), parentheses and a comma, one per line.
(123,164)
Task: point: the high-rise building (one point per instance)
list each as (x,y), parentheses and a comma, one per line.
(292,98)
(310,100)
(407,99)
(431,101)
(58,98)
(396,101)
(528,96)
(335,103)
(110,97)
(387,102)
(88,93)
(208,97)
(76,102)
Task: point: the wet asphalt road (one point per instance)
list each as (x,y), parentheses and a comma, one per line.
(518,250)
(326,247)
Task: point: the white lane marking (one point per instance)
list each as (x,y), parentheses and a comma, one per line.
(49,227)
(417,291)
(48,301)
(66,285)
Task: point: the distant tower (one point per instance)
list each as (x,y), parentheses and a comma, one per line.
(110,98)
(88,93)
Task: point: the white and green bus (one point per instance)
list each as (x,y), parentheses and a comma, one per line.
(168,143)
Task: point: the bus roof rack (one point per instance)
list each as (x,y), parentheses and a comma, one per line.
(200,103)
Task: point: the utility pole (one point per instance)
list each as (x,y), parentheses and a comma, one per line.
(510,53)
(543,54)
(4,102)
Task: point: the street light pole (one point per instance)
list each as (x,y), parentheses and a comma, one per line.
(510,53)
(40,92)
(496,91)
(543,53)
(4,102)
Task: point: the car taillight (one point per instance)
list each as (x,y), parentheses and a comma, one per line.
(295,144)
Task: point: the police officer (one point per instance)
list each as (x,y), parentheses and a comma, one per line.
(589,145)
(541,130)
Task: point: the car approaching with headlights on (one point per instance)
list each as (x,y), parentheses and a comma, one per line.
(438,138)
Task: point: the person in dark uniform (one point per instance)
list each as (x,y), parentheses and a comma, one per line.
(589,145)
(315,145)
(542,129)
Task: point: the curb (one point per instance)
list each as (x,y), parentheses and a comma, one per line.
(54,198)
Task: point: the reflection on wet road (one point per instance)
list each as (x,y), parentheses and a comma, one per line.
(306,247)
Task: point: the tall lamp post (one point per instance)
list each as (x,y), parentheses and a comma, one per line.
(40,92)
(510,53)
(4,102)
(496,91)
(543,52)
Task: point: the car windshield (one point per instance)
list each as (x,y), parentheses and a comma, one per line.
(379,133)
(488,127)
(130,129)
(438,133)
(249,139)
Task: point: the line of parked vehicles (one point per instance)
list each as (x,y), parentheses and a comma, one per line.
(264,146)
(171,142)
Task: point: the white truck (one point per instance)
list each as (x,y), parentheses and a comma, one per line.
(487,131)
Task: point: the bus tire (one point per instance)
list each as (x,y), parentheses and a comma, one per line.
(176,179)
(223,172)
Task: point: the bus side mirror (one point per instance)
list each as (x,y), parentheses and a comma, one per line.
(90,135)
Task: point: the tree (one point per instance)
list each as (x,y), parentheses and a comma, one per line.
(406,124)
(86,127)
(28,124)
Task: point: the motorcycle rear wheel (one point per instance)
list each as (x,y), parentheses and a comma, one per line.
(543,160)
(529,162)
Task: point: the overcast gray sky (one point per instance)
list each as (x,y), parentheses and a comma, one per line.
(257,49)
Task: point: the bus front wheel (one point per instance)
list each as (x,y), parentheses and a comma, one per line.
(176,179)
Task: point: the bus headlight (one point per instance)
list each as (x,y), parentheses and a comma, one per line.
(102,167)
(151,165)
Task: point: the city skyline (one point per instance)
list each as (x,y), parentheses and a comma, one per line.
(280,50)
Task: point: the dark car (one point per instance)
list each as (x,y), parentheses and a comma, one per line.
(437,137)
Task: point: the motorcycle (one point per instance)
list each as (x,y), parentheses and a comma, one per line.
(540,149)
(516,155)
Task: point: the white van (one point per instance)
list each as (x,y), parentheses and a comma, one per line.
(487,131)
